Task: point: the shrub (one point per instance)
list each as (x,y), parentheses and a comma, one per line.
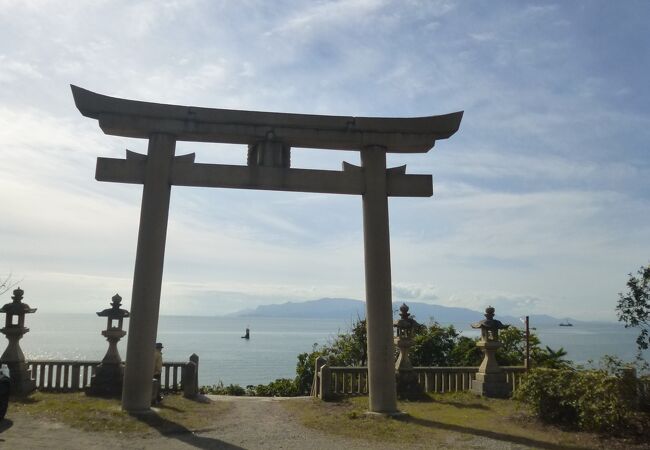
(434,345)
(220,389)
(589,400)
(282,387)
(305,370)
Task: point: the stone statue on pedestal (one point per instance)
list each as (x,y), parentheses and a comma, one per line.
(491,379)
(21,377)
(406,378)
(109,375)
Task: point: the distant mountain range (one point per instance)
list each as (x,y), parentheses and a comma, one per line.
(349,309)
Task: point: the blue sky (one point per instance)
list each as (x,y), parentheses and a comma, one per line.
(541,201)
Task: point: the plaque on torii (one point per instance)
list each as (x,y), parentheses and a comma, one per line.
(269,137)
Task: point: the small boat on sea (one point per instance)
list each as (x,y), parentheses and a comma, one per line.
(566,323)
(247,335)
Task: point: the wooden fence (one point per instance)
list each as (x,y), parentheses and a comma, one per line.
(332,381)
(70,376)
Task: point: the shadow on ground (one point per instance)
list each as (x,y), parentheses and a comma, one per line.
(5,424)
(177,431)
(462,405)
(487,434)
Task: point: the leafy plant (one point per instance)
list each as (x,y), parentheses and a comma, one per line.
(633,307)
(221,389)
(434,345)
(590,400)
(282,387)
(552,359)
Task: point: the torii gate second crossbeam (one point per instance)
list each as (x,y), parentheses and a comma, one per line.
(270,137)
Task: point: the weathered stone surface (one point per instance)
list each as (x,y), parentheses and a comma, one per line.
(107,380)
(14,329)
(109,375)
(490,380)
(136,119)
(406,379)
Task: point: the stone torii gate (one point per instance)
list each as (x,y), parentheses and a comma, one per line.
(269,137)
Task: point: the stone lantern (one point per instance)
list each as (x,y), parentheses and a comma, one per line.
(21,377)
(405,328)
(491,379)
(110,373)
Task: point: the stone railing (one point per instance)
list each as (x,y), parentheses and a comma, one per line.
(455,379)
(644,390)
(70,376)
(336,381)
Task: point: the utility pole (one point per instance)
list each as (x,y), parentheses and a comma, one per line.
(527,361)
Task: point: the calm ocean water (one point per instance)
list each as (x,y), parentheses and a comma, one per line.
(274,345)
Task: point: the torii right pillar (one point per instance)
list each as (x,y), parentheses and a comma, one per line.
(379,304)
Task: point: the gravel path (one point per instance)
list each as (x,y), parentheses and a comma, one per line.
(251,423)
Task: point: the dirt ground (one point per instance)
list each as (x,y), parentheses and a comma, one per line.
(251,423)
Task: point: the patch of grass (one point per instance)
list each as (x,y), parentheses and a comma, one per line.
(175,414)
(444,420)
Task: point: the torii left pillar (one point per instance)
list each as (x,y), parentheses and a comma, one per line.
(147,277)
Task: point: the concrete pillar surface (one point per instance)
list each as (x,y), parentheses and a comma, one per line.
(147,278)
(379,307)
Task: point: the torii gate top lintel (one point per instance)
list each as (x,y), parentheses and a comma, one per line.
(131,118)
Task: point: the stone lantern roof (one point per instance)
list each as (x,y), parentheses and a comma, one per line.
(17,307)
(490,322)
(405,322)
(115,312)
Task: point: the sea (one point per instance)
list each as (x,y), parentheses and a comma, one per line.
(274,344)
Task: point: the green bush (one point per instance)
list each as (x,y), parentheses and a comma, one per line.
(282,387)
(305,370)
(434,345)
(220,389)
(590,400)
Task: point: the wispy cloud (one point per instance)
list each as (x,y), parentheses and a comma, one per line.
(541,198)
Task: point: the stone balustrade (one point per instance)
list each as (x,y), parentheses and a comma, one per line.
(644,391)
(335,381)
(71,376)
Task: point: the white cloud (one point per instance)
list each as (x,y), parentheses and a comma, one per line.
(415,292)
(319,17)
(541,198)
(12,70)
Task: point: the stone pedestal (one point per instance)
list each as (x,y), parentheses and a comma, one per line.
(491,379)
(407,384)
(22,382)
(107,381)
(21,377)
(491,385)
(109,375)
(406,379)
